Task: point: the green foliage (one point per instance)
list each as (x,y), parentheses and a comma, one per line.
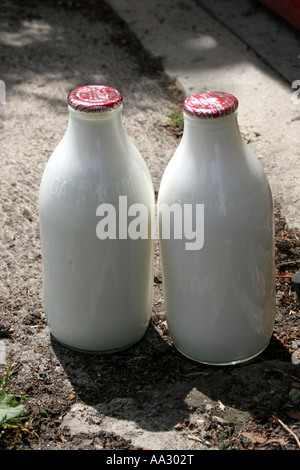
(176,117)
(11,406)
(294,396)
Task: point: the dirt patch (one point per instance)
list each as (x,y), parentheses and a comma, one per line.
(148,396)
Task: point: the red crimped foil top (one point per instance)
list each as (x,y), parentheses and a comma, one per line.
(210,104)
(94,98)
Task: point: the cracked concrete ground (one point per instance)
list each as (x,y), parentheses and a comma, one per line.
(149,396)
(243,49)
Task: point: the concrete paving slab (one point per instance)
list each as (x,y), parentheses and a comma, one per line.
(203,45)
(269,36)
(149,396)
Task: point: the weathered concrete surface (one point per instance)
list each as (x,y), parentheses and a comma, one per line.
(150,395)
(242,49)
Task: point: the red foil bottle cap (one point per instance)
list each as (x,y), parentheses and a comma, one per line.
(94,98)
(210,104)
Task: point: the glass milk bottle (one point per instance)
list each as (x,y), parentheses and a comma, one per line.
(97,264)
(216,238)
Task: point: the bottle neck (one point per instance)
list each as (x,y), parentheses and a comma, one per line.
(95,127)
(210,132)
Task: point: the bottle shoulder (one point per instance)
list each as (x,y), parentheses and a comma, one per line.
(79,178)
(195,176)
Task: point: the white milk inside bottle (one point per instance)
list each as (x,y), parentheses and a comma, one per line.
(216,238)
(97,267)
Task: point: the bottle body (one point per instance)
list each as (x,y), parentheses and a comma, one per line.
(97,286)
(219,294)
